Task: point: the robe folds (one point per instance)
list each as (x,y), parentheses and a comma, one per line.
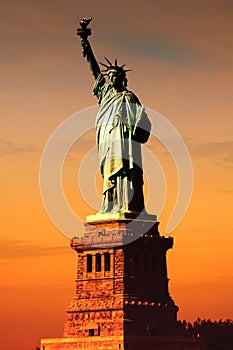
(121,126)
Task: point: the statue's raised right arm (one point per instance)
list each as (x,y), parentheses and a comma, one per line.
(84,32)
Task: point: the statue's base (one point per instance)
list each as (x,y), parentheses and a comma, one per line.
(116,229)
(123,216)
(122,299)
(123,342)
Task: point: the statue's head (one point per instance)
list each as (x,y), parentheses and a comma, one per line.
(116,74)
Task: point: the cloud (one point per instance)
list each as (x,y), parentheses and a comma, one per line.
(217,152)
(163,49)
(176,30)
(8,147)
(22,249)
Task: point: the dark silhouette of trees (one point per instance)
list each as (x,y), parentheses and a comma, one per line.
(217,335)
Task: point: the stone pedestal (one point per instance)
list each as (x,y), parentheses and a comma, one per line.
(122,299)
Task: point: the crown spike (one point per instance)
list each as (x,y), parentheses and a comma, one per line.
(103,64)
(108,61)
(110,67)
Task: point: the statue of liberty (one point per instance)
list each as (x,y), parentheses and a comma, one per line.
(122,126)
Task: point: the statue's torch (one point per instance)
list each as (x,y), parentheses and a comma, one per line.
(84,33)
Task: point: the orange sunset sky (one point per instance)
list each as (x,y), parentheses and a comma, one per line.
(180,53)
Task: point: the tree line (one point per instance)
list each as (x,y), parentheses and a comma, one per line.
(216,335)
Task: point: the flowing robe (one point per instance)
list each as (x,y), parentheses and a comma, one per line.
(121,124)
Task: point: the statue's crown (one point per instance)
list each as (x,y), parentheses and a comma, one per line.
(113,67)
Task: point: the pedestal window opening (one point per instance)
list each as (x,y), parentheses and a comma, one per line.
(106,262)
(89,263)
(97,262)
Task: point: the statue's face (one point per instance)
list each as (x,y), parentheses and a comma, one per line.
(116,79)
